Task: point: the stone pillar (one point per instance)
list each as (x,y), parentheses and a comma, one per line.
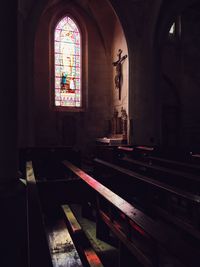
(12,193)
(8,99)
(144,106)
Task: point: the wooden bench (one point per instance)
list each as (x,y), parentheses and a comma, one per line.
(47,160)
(137,151)
(178,165)
(113,152)
(38,252)
(142,236)
(86,252)
(194,198)
(153,193)
(184,179)
(53,242)
(174,159)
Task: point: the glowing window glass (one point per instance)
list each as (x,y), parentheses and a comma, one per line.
(67,58)
(172,29)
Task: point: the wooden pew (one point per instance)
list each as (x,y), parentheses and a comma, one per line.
(182,179)
(138,234)
(47,160)
(158,198)
(171,173)
(175,164)
(87,253)
(136,152)
(38,252)
(174,159)
(113,152)
(50,242)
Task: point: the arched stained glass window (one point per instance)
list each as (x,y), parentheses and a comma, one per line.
(67,54)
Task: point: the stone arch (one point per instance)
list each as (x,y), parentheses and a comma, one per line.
(47,127)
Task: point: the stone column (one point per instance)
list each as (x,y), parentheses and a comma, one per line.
(12,193)
(8,99)
(144,106)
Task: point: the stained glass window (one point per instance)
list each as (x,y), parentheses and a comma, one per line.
(67,58)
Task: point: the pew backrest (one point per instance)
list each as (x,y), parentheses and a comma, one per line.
(160,235)
(38,252)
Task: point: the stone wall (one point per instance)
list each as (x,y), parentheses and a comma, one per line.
(180,77)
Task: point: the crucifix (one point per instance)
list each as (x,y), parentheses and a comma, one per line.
(118,76)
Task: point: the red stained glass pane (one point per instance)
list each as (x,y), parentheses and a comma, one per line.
(67,58)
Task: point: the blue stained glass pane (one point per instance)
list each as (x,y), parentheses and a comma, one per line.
(57,70)
(77,49)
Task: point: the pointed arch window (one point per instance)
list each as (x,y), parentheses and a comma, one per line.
(67,64)
(175,29)
(172,29)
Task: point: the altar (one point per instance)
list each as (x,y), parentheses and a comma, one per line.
(111,141)
(118,135)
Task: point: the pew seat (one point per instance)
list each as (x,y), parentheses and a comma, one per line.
(89,256)
(148,240)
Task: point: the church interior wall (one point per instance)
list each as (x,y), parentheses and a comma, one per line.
(26,111)
(136,26)
(72,128)
(180,66)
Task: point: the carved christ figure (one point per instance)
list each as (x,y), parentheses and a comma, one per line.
(118,76)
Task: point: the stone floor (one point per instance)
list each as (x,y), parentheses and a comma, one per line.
(62,248)
(107,253)
(61,244)
(13,227)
